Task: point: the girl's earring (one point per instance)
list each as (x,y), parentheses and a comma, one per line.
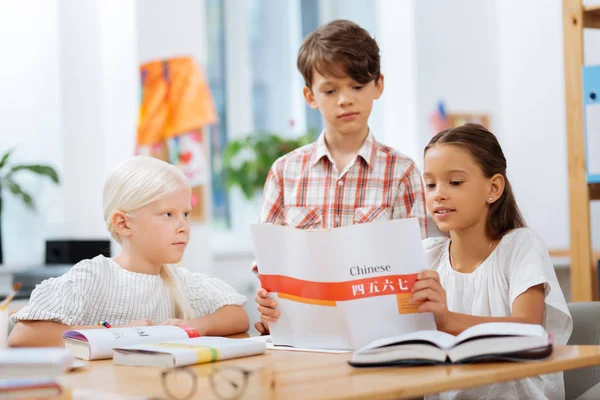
(490,199)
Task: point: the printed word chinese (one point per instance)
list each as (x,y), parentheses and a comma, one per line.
(356,270)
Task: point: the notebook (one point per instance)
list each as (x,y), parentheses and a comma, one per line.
(494,341)
(96,344)
(187,352)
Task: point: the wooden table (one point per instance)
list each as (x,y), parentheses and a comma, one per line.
(327,376)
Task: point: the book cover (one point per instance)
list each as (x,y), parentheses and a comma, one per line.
(187,351)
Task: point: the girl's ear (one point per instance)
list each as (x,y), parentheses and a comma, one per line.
(121,224)
(496,188)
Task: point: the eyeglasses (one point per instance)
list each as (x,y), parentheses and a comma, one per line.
(227,383)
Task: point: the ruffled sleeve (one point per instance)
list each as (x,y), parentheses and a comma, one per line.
(57,300)
(530,265)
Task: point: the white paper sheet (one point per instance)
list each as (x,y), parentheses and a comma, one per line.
(343,288)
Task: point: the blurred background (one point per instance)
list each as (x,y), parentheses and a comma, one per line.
(74,96)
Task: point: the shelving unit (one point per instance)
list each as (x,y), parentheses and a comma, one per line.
(584,277)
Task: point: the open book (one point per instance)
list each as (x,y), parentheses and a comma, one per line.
(187,351)
(485,342)
(96,344)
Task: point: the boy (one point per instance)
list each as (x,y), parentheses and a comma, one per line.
(345,177)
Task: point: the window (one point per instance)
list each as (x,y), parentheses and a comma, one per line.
(264,93)
(215,70)
(310,22)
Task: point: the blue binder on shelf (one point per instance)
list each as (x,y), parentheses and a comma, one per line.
(591,115)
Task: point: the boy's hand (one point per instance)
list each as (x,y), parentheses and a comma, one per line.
(138,322)
(262,328)
(268,313)
(431,297)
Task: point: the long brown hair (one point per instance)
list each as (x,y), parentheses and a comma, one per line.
(504,214)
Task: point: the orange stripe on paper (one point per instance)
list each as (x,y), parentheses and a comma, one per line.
(404,307)
(339,291)
(297,299)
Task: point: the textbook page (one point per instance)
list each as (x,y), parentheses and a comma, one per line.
(343,288)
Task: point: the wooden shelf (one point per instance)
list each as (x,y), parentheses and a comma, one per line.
(592,9)
(583,269)
(591,16)
(594,189)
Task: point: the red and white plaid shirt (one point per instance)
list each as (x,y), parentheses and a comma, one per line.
(305,190)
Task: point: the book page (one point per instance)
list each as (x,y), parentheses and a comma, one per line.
(102,341)
(530,347)
(340,289)
(440,339)
(501,329)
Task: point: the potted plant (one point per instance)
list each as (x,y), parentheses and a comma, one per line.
(247,161)
(7,181)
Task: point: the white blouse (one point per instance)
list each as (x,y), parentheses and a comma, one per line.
(101,290)
(520,261)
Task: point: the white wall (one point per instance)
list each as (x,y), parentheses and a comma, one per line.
(99,93)
(173,28)
(457,58)
(395,113)
(532,113)
(30,122)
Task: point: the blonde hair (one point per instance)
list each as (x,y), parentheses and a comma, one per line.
(136,183)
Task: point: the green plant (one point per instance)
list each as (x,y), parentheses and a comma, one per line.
(247,161)
(7,181)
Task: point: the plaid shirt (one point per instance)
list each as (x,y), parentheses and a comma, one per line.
(305,190)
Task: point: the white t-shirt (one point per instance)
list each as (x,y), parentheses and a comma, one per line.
(101,290)
(520,261)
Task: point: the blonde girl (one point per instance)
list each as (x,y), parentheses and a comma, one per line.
(146,209)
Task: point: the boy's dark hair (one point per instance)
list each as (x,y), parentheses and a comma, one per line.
(339,47)
(483,146)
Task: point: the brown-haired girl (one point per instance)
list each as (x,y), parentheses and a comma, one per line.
(489,267)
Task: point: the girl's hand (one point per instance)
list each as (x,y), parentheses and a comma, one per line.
(431,297)
(139,322)
(268,313)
